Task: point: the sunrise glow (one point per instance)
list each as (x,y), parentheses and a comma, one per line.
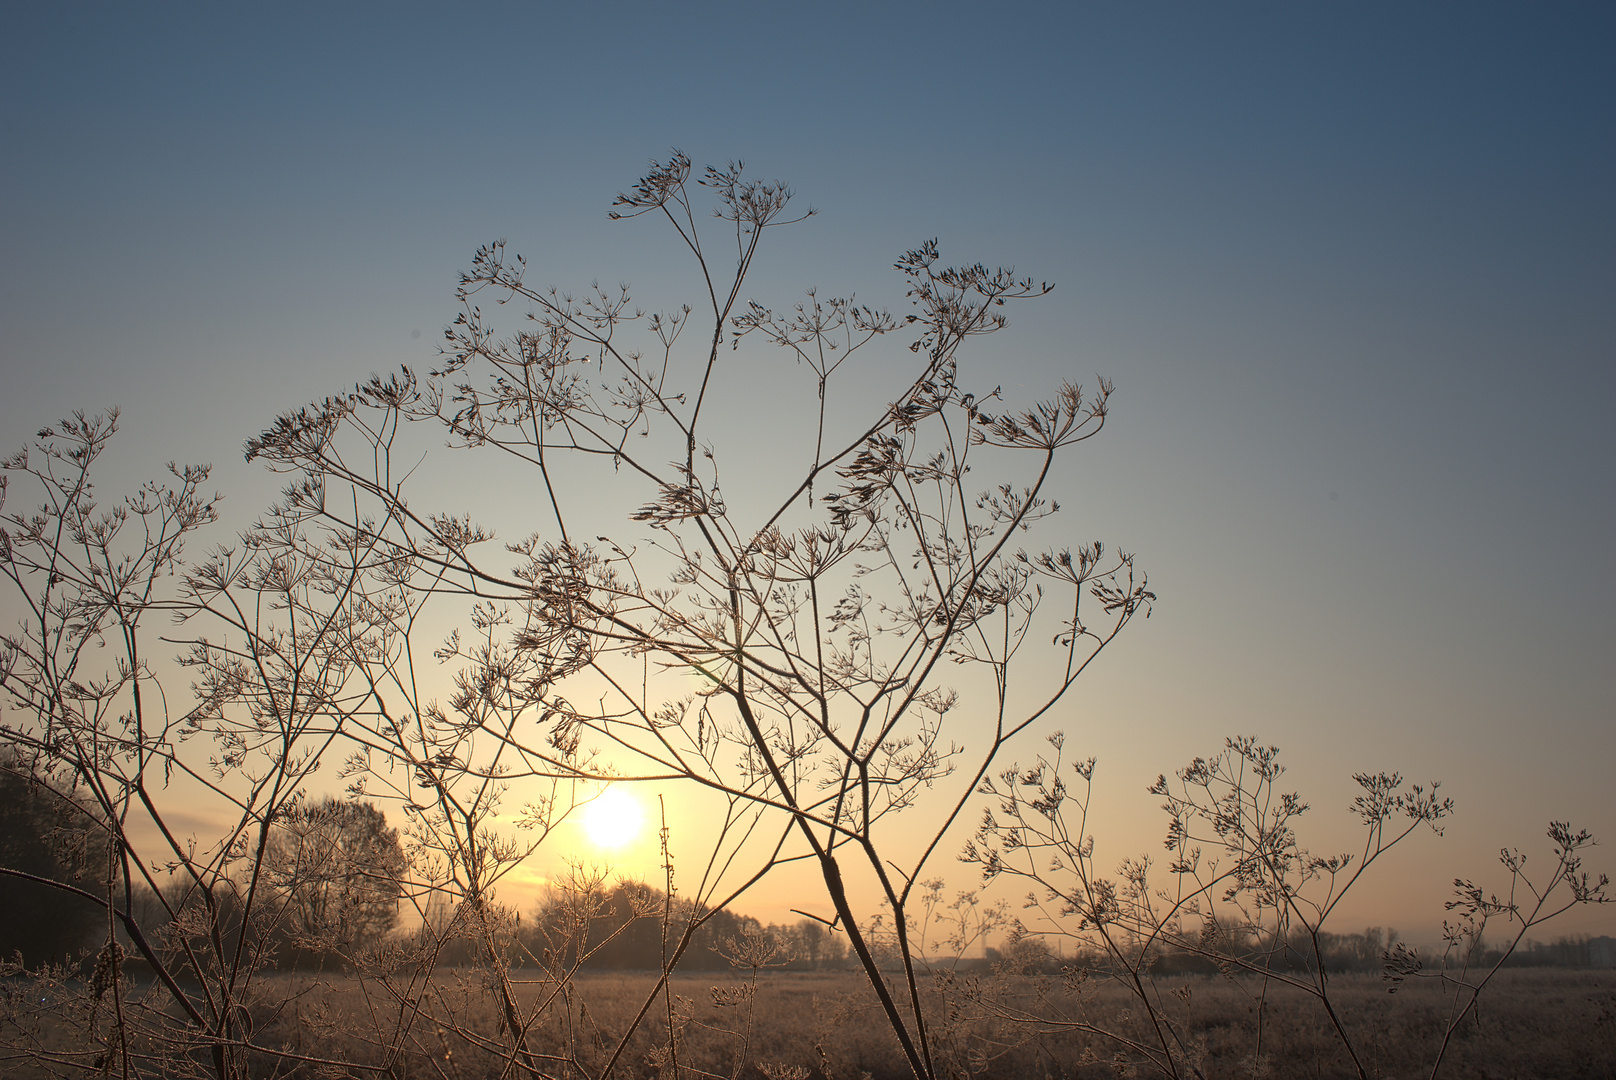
(613,819)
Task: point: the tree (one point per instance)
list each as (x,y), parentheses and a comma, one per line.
(337,872)
(588,924)
(815,946)
(41,843)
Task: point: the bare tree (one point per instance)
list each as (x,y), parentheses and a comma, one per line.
(337,872)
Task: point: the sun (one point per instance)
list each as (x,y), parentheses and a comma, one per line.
(613,818)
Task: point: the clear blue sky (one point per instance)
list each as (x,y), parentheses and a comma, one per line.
(1351,267)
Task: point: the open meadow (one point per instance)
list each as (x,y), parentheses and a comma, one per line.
(1545,1023)
(1538,1023)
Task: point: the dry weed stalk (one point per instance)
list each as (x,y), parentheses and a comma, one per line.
(802,655)
(1241,891)
(819,621)
(1465,966)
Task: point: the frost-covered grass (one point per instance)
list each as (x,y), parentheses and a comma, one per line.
(1534,1022)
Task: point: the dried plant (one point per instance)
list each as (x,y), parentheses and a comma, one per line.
(1240,891)
(815,644)
(1529,901)
(819,622)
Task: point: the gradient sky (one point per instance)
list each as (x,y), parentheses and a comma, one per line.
(1351,267)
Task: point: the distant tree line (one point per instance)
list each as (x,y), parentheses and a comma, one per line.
(1030,954)
(1362,952)
(630,925)
(336,874)
(1566,951)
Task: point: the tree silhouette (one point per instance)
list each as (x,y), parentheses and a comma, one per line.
(336,872)
(41,835)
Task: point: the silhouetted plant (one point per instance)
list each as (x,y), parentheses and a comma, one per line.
(1528,901)
(275,647)
(819,620)
(1240,892)
(815,646)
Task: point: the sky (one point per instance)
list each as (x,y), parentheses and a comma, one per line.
(1352,269)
